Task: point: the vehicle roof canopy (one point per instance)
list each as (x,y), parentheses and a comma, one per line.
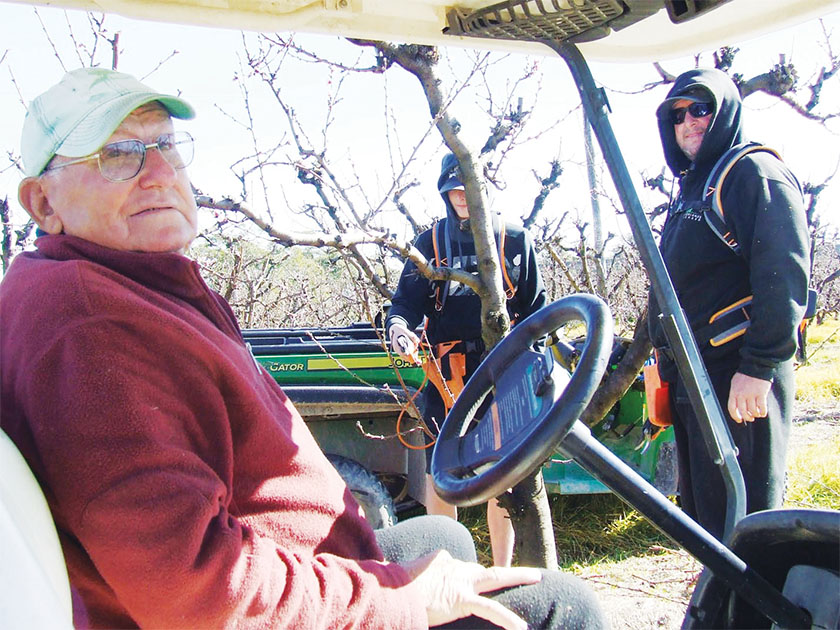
(607,30)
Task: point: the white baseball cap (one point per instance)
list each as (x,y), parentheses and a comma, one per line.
(75,117)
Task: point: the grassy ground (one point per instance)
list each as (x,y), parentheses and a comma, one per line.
(818,380)
(814,475)
(814,469)
(588,529)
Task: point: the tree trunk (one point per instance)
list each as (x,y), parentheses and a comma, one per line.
(597,218)
(530,514)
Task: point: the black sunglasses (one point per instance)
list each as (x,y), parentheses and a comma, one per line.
(697,110)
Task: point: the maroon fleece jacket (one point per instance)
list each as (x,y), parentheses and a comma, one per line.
(186,489)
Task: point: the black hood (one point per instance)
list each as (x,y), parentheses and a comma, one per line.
(724,129)
(450,178)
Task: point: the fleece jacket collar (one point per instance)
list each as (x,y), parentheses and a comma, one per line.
(169,273)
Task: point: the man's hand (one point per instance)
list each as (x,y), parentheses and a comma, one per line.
(747,398)
(404,342)
(450,589)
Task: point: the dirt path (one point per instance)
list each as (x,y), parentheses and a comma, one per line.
(654,591)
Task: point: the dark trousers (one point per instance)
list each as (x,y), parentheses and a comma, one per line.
(761,444)
(558,601)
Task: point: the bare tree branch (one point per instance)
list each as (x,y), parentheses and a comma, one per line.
(346,241)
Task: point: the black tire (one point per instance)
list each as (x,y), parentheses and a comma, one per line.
(369,492)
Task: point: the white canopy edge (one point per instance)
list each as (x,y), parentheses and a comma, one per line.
(422,22)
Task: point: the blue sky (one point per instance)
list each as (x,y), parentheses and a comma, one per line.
(208,60)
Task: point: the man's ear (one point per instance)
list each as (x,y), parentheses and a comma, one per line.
(33,198)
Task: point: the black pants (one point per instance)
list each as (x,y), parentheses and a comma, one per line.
(761,444)
(558,601)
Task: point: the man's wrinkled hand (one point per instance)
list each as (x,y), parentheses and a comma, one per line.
(451,589)
(747,398)
(404,342)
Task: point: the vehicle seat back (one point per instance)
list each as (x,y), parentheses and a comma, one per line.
(33,577)
(780,545)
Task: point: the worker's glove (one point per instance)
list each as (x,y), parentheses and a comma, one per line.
(404,342)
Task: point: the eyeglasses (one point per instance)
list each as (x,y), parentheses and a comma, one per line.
(123,160)
(697,110)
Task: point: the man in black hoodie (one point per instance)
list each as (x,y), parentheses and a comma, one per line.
(453,313)
(751,370)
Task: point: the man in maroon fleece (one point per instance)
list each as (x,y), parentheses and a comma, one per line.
(186,489)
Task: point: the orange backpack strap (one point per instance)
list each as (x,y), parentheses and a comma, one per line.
(448,384)
(713,191)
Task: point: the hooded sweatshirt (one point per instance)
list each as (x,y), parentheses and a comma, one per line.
(185,488)
(460,317)
(762,201)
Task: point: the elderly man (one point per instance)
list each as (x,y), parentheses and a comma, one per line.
(744,295)
(186,489)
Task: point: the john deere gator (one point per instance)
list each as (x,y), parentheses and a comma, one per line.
(361,404)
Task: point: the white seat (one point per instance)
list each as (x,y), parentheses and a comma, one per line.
(34,588)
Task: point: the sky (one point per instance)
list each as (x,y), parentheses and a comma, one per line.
(208,71)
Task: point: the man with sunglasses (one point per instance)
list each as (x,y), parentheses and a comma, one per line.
(186,489)
(743,307)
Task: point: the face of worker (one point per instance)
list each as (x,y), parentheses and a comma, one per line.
(690,132)
(153,212)
(458,199)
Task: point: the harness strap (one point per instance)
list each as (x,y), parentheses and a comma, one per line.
(510,289)
(439,300)
(446,367)
(712,206)
(442,288)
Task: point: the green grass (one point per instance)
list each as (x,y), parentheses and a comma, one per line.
(814,476)
(589,529)
(818,380)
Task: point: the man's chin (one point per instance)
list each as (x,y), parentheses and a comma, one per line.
(176,242)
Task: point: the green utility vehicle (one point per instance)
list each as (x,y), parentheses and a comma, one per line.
(355,398)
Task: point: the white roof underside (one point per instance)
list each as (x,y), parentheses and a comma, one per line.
(422,22)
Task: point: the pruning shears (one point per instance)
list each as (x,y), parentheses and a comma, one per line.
(650,432)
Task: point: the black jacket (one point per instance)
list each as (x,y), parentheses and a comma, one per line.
(460,318)
(763,203)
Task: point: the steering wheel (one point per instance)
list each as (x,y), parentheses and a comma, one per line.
(530,411)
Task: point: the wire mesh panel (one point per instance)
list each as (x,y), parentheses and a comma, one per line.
(533,20)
